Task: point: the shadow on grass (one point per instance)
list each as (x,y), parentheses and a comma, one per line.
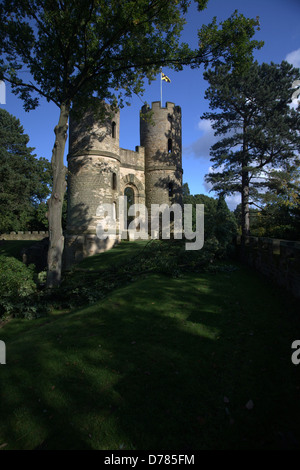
(163,363)
(115,257)
(14,247)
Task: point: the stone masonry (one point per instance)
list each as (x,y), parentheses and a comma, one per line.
(279,260)
(99,171)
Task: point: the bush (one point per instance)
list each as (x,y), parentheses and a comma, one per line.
(16,286)
(258,232)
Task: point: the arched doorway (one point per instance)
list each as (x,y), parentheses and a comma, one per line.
(129,193)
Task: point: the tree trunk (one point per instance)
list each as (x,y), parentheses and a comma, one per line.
(55,203)
(245,187)
(245,204)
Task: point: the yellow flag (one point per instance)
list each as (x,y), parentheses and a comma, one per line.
(165,78)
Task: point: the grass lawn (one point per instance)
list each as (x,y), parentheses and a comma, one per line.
(160,364)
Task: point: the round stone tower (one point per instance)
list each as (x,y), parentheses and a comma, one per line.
(93,179)
(160,133)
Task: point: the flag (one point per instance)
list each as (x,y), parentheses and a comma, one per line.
(165,78)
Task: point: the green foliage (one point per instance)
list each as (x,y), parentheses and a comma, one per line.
(83,47)
(168,257)
(258,129)
(20,296)
(210,205)
(280,212)
(79,50)
(185,190)
(40,220)
(16,288)
(232,42)
(256,221)
(273,221)
(98,377)
(219,223)
(24,179)
(76,48)
(225,225)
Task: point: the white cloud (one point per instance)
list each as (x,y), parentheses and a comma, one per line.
(294,104)
(205,125)
(294,58)
(233,200)
(208,186)
(201,147)
(296,95)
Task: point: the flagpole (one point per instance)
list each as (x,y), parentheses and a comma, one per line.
(161,89)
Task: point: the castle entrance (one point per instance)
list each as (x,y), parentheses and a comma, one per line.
(129,193)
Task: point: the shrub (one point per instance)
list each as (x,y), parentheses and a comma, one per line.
(16,285)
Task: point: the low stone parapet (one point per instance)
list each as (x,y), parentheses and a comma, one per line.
(35,235)
(279,260)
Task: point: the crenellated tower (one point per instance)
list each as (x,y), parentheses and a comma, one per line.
(94,169)
(160,134)
(99,171)
(93,179)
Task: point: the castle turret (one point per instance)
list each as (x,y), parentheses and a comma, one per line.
(93,179)
(94,169)
(99,171)
(161,137)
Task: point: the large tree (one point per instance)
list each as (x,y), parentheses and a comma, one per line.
(219,223)
(279,205)
(76,49)
(259,130)
(24,179)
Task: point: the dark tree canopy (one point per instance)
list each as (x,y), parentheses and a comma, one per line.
(259,132)
(80,48)
(219,223)
(24,179)
(74,50)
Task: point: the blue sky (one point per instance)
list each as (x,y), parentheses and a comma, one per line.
(280,30)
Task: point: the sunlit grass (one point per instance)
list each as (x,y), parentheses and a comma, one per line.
(161,363)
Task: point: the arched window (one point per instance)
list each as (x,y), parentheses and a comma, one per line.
(130,196)
(171,189)
(169,145)
(114,181)
(113,129)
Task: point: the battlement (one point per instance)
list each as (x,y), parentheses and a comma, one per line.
(35,235)
(157,105)
(100,171)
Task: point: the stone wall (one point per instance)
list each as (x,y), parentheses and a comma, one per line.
(162,139)
(131,159)
(90,184)
(132,172)
(24,236)
(79,247)
(89,134)
(99,171)
(279,260)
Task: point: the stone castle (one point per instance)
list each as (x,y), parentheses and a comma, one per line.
(99,171)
